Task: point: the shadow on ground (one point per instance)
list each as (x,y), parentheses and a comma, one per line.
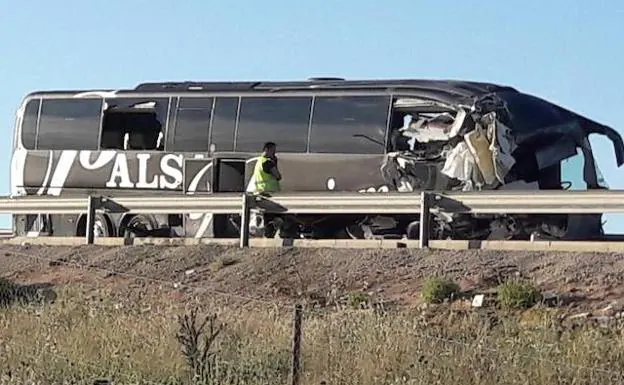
(14,293)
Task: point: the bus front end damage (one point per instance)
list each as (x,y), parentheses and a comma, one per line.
(504,140)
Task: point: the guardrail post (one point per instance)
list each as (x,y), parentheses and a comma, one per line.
(425,217)
(245,214)
(93,203)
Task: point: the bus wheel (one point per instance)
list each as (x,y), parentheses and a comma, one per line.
(102,226)
(100,229)
(355,232)
(413,230)
(136,226)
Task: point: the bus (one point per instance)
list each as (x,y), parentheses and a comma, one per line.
(332,134)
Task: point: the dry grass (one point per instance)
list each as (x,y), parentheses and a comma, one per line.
(84,336)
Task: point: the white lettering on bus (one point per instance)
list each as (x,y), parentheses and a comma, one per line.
(143,183)
(170,167)
(175,173)
(120,170)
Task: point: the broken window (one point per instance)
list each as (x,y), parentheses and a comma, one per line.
(415,123)
(476,149)
(572,177)
(600,144)
(431,121)
(69,124)
(134,124)
(577,172)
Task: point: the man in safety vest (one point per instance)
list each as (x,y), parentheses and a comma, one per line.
(266,178)
(266,174)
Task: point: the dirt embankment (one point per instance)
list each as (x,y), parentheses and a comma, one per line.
(283,274)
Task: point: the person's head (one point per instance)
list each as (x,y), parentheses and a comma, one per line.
(269,148)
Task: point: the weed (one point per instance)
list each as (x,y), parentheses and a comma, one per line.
(78,340)
(437,290)
(198,343)
(518,294)
(359,300)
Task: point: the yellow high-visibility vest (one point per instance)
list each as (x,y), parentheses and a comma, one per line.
(264,181)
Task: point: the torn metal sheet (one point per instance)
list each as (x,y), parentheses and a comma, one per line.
(498,140)
(461,164)
(477,154)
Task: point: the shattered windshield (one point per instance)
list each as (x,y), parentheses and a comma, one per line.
(572,172)
(602,182)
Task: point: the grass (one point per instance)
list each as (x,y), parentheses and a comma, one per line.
(83,337)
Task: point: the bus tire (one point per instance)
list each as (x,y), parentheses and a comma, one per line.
(413,230)
(142,225)
(103,226)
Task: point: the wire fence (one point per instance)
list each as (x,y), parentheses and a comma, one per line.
(85,329)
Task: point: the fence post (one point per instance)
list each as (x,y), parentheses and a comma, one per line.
(425,217)
(93,203)
(296,345)
(245,214)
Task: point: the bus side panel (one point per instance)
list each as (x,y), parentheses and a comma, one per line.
(109,173)
(341,172)
(56,172)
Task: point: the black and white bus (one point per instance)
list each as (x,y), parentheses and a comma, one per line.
(332,134)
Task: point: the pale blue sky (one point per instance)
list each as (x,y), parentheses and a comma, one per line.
(569,52)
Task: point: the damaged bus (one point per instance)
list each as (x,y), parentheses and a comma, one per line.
(371,136)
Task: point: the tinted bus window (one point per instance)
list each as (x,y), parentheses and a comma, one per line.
(283,120)
(349,125)
(29,124)
(192,125)
(224,124)
(69,124)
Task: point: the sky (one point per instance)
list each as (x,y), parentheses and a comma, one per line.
(569,52)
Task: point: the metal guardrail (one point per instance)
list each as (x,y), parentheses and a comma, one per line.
(216,203)
(485,202)
(4,233)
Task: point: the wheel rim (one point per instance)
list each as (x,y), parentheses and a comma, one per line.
(99,229)
(138,223)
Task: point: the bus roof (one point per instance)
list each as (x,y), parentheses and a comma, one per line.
(447,89)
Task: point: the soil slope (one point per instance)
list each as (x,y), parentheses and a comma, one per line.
(283,275)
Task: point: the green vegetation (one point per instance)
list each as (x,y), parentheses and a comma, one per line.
(437,290)
(518,294)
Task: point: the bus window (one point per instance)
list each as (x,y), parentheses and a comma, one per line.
(349,124)
(224,124)
(69,124)
(283,120)
(192,125)
(29,124)
(134,124)
(572,172)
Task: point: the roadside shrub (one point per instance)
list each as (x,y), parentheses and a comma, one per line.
(359,300)
(518,294)
(436,290)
